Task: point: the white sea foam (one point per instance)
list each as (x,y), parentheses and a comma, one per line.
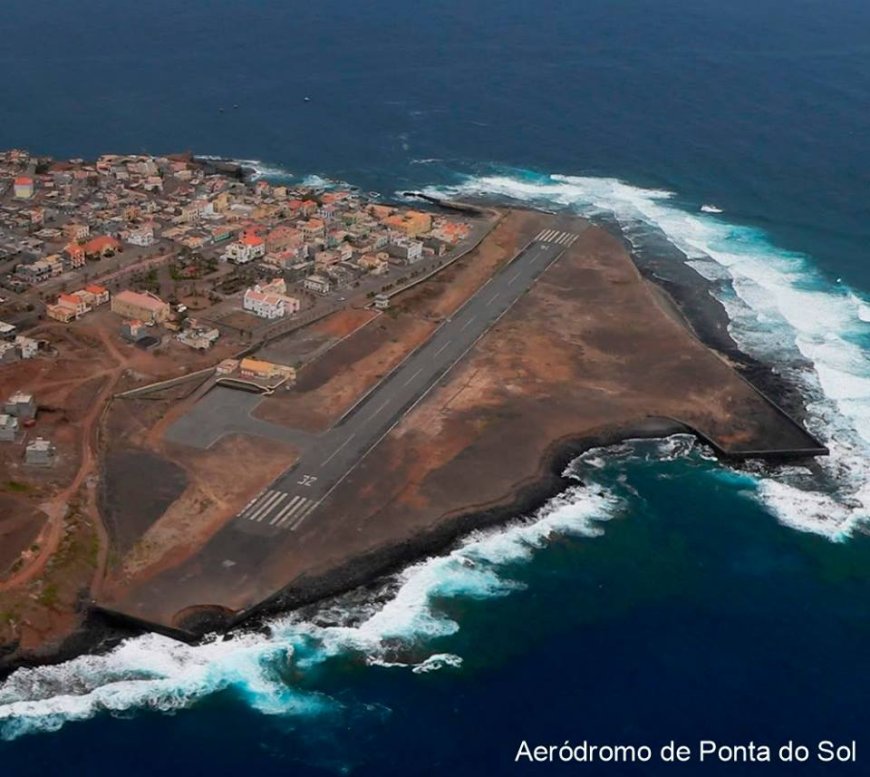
(782,310)
(319,182)
(154,672)
(260,168)
(265,170)
(863,309)
(273,172)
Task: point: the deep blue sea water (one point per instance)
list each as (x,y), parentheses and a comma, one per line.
(671,598)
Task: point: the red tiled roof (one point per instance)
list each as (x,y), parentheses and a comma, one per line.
(100,243)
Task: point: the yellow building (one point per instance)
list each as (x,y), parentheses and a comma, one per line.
(143,307)
(266,372)
(220,202)
(256,368)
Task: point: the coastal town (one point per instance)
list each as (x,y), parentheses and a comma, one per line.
(221,394)
(161,237)
(192,251)
(137,269)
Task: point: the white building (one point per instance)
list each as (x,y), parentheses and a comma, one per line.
(199,339)
(270,301)
(40,453)
(318,284)
(142,235)
(246,249)
(27,346)
(409,251)
(8,427)
(263,305)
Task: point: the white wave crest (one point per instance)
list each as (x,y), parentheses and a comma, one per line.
(319,182)
(265,170)
(782,311)
(155,672)
(261,169)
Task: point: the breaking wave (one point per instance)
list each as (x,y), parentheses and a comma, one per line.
(782,310)
(260,169)
(390,629)
(264,170)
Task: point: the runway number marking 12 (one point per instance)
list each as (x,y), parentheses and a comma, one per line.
(307,480)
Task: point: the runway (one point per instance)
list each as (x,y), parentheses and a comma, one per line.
(328,458)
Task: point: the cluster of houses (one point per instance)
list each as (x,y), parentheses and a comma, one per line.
(69,212)
(270,300)
(14,346)
(56,216)
(140,311)
(76,304)
(328,243)
(19,411)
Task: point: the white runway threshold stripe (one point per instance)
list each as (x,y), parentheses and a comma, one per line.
(557,237)
(278,509)
(303,514)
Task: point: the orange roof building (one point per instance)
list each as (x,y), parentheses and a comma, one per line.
(250,239)
(23,186)
(99,293)
(101,245)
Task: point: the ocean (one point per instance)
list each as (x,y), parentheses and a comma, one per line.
(665,596)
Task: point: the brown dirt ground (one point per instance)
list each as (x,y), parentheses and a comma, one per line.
(242,320)
(590,349)
(330,385)
(343,323)
(54,510)
(20,525)
(219,481)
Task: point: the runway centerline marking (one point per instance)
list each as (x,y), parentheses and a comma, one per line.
(383,405)
(413,376)
(284,511)
(335,452)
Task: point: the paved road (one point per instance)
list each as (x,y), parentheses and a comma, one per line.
(328,458)
(226,411)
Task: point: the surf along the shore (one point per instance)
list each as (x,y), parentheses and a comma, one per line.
(782,311)
(391,627)
(399,625)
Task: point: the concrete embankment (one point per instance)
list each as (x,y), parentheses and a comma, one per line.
(454,205)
